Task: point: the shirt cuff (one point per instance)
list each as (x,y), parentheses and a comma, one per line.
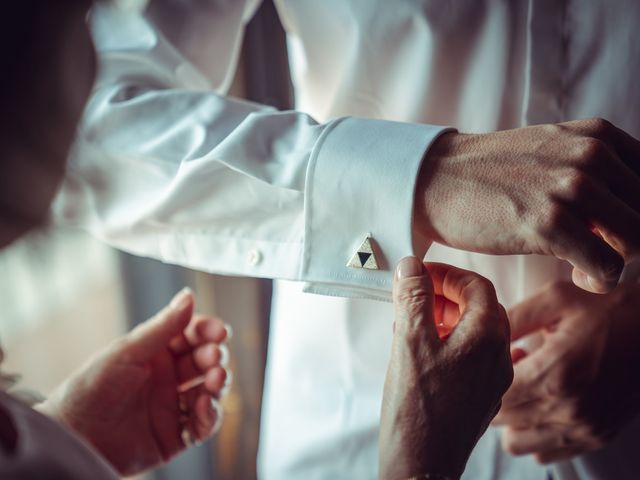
(360,183)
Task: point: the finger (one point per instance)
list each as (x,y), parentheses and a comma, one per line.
(557,455)
(463,287)
(446,315)
(532,440)
(207,356)
(617,156)
(523,415)
(226,387)
(625,145)
(619,177)
(206,416)
(211,355)
(528,376)
(215,381)
(194,364)
(573,241)
(616,222)
(413,302)
(478,305)
(202,329)
(518,354)
(534,313)
(148,338)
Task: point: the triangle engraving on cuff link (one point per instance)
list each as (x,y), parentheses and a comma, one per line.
(364,257)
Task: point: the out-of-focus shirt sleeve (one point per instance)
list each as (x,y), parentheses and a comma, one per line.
(166,167)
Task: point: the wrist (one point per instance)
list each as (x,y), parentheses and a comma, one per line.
(429,192)
(409,456)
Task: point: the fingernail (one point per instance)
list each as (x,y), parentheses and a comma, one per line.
(226,388)
(224,355)
(229,330)
(591,282)
(181,299)
(599,286)
(215,404)
(228,379)
(409,267)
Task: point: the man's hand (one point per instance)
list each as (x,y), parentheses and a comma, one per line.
(570,190)
(577,389)
(440,395)
(134,400)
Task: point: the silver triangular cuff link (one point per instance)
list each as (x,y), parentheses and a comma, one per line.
(364,257)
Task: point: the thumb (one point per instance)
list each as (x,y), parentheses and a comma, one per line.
(148,338)
(413,300)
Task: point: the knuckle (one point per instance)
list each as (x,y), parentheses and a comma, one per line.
(573,184)
(552,129)
(589,152)
(482,287)
(599,126)
(484,284)
(413,305)
(414,298)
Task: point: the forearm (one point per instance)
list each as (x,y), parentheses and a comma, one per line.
(226,186)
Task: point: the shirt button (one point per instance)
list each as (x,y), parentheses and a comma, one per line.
(254,257)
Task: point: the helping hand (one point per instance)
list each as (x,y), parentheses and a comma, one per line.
(440,395)
(576,390)
(128,401)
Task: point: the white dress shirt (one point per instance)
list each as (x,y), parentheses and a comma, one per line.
(167,167)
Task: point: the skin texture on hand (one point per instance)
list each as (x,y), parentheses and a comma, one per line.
(440,395)
(576,390)
(569,190)
(126,403)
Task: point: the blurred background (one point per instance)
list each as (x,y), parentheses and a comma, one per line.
(64,296)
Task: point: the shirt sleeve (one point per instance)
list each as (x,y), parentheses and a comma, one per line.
(167,167)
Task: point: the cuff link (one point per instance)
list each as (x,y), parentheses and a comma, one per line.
(364,256)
